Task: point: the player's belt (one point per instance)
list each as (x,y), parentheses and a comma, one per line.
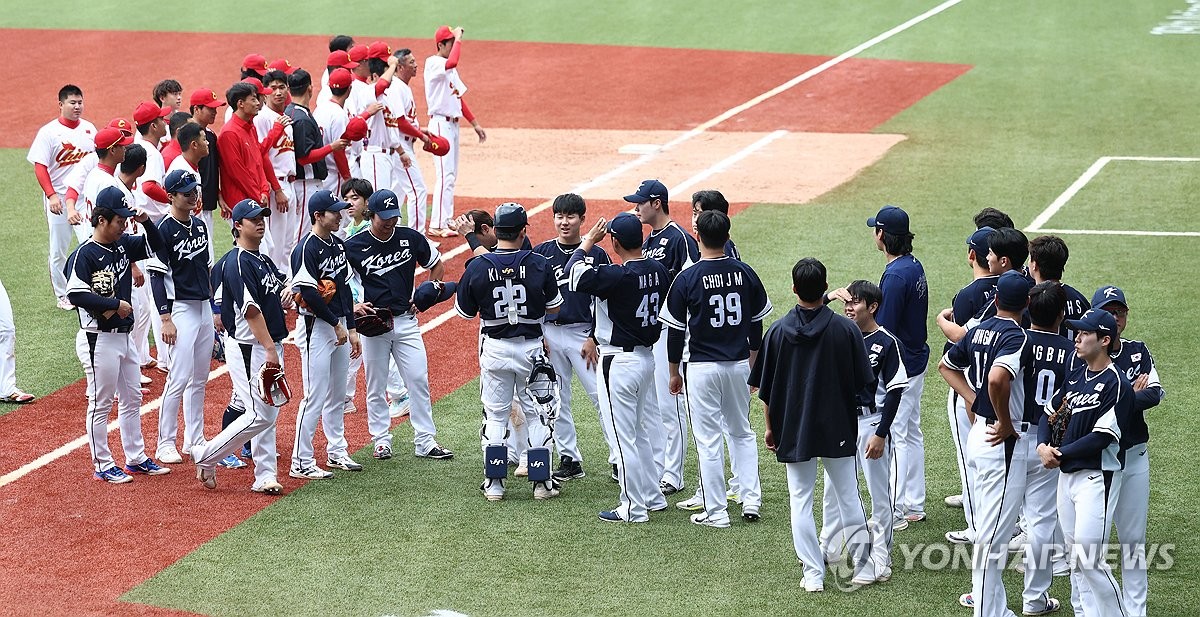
(1020,427)
(289,177)
(505,322)
(379,149)
(117,330)
(863,410)
(608,350)
(450,118)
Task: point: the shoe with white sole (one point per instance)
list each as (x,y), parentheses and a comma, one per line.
(382,452)
(344,462)
(348,407)
(113,475)
(310,473)
(700,519)
(915,517)
(1051,605)
(399,406)
(546,490)
(967,600)
(1018,542)
(814,585)
(232,462)
(207,477)
(148,467)
(522,470)
(750,514)
(954,501)
(695,504)
(270,487)
(899,524)
(958,537)
(168,454)
(145,380)
(493,489)
(437,452)
(65,304)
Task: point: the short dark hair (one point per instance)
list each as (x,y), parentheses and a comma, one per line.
(100,212)
(711,200)
(991,217)
(569,203)
(250,73)
(1051,254)
(135,156)
(808,279)
(508,233)
(273,76)
(340,42)
(178,120)
(377,66)
(165,87)
(102,152)
(1047,303)
(713,228)
(338,91)
(237,92)
(896,244)
(402,52)
(187,134)
(1011,243)
(299,81)
(868,292)
(358,186)
(145,128)
(481,218)
(68,90)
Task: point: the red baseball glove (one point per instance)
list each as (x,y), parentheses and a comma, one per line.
(272,386)
(325,287)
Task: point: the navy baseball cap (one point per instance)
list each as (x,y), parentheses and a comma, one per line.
(384,204)
(324,201)
(1095,320)
(181,181)
(248,208)
(510,215)
(978,241)
(649,189)
(1012,290)
(890,219)
(627,229)
(115,199)
(1107,295)
(430,293)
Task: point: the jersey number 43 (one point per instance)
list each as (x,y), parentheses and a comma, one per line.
(648,310)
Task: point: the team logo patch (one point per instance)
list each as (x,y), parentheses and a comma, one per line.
(1110,292)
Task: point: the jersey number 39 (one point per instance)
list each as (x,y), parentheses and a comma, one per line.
(727,309)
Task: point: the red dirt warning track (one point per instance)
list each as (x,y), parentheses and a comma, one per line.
(69,545)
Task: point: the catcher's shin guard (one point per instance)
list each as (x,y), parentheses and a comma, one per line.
(539,464)
(495,462)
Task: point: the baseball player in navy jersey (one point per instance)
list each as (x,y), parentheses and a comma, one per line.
(628,297)
(252,307)
(1047,260)
(386,258)
(99,285)
(444,91)
(713,200)
(512,290)
(714,310)
(1133,359)
(1008,248)
(668,244)
(182,294)
(984,368)
(57,148)
(1100,402)
(810,345)
(223,323)
(568,335)
(877,405)
(328,340)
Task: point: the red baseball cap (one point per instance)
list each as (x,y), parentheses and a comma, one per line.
(123,125)
(340,78)
(379,50)
(437,145)
(207,98)
(358,53)
(256,63)
(443,34)
(340,58)
(147,112)
(258,85)
(282,65)
(356,129)
(108,137)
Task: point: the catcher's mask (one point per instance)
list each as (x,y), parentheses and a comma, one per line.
(542,387)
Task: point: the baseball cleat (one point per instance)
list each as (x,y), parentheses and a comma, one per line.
(966,600)
(145,380)
(113,475)
(568,469)
(615,477)
(522,470)
(399,407)
(750,513)
(700,519)
(246,452)
(733,496)
(695,504)
(899,524)
(168,454)
(546,490)
(344,462)
(1052,605)
(884,576)
(862,580)
(65,304)
(348,407)
(814,585)
(18,397)
(611,516)
(954,501)
(270,487)
(958,537)
(669,489)
(382,452)
(232,462)
(1018,542)
(493,490)
(148,467)
(914,517)
(310,473)
(437,452)
(207,477)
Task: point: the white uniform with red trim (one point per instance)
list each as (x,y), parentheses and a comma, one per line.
(443,97)
(407,181)
(282,227)
(145,318)
(59,148)
(362,94)
(383,137)
(332,119)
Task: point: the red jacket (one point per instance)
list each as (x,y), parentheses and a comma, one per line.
(242,175)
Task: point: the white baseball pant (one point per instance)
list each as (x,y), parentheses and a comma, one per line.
(112,371)
(910,449)
(717,400)
(877,474)
(394,384)
(281,228)
(998,476)
(670,445)
(627,406)
(842,472)
(565,343)
(960,427)
(446,172)
(504,366)
(61,234)
(142,302)
(207,217)
(410,182)
(8,344)
(188,378)
(257,424)
(405,346)
(1041,520)
(1087,501)
(324,364)
(1133,504)
(304,189)
(376,167)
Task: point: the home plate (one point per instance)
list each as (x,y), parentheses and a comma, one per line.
(639,149)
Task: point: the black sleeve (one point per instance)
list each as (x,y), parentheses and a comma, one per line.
(91,302)
(891,403)
(1086,446)
(756,331)
(1044,429)
(675,340)
(158,286)
(317,305)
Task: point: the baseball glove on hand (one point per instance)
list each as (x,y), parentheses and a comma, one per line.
(272,386)
(373,323)
(1059,421)
(325,287)
(104,284)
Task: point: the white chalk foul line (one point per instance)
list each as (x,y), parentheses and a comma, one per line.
(1123,232)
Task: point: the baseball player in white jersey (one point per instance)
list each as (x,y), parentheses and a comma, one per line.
(332,117)
(182,295)
(110,147)
(444,90)
(407,178)
(99,285)
(274,128)
(375,162)
(714,310)
(149,197)
(9,392)
(57,148)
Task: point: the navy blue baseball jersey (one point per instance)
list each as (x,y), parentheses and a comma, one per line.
(316,258)
(628,297)
(883,352)
(905,310)
(1100,402)
(998,341)
(216,279)
(731,250)
(577,307)
(510,290)
(717,302)
(1047,356)
(91,257)
(250,278)
(672,247)
(186,272)
(387,267)
(970,301)
(1077,305)
(1134,360)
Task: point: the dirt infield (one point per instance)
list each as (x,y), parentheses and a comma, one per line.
(545,136)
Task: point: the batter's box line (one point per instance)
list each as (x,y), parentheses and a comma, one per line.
(1037,225)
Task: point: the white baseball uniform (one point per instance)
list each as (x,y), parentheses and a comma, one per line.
(60,147)
(332,119)
(282,227)
(8,343)
(443,93)
(375,162)
(145,317)
(407,181)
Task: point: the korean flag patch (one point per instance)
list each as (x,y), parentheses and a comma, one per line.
(662,242)
(876,347)
(1099,387)
(1137,357)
